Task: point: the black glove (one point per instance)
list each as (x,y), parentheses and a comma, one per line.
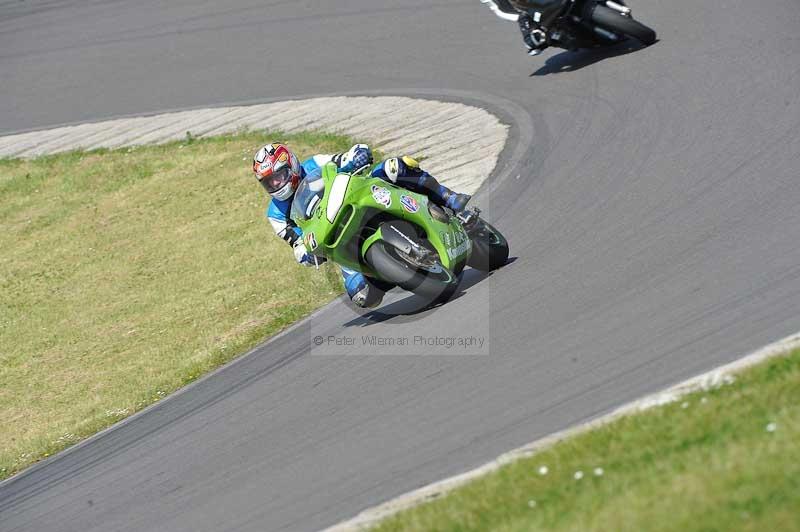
(535,38)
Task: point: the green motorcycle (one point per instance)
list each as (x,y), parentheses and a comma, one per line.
(391,234)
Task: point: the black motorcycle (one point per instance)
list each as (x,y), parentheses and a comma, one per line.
(573,24)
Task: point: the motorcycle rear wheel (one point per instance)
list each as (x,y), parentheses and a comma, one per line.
(611,20)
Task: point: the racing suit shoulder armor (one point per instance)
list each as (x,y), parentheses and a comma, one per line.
(279,210)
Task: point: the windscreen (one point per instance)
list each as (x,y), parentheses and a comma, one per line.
(307,197)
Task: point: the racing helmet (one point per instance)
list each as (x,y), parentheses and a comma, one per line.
(278,170)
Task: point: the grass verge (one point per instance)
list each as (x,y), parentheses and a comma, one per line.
(718,460)
(126,274)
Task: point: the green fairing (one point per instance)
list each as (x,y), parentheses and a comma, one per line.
(346,239)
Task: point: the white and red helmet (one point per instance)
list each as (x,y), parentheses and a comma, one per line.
(278,170)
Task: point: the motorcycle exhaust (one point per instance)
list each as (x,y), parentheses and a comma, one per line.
(625,11)
(401,241)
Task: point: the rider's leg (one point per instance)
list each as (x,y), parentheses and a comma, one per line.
(362,292)
(405,171)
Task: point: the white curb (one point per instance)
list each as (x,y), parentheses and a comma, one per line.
(460,144)
(712,379)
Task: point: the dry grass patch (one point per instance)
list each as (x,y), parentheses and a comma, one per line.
(126,274)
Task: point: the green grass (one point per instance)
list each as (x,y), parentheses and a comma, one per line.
(127,274)
(705,463)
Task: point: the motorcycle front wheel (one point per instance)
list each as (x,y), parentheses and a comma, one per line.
(614,21)
(489,248)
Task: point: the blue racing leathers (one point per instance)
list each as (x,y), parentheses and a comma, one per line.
(405,172)
(361,292)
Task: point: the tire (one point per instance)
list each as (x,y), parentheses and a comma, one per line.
(489,249)
(391,267)
(611,20)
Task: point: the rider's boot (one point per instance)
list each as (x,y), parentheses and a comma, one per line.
(361,291)
(455,201)
(441,195)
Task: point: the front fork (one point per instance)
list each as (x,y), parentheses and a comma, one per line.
(469,219)
(618,6)
(621,7)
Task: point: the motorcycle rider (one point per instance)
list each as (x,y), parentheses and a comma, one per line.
(280,172)
(535,39)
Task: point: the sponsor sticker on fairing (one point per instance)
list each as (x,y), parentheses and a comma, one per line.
(456,244)
(311,241)
(382,196)
(458,250)
(409,203)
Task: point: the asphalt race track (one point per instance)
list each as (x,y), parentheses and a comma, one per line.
(650,197)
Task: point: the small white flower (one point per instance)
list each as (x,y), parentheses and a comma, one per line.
(531,503)
(704,400)
(543,470)
(685,405)
(598,471)
(772,427)
(578,475)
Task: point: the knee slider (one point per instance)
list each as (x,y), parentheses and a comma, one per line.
(393,169)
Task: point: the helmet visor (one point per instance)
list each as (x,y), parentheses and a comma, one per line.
(276,180)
